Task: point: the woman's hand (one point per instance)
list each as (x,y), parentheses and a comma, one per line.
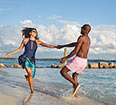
(5,55)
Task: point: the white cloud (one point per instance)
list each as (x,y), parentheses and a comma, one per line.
(7,35)
(103,38)
(54,17)
(26,22)
(65,22)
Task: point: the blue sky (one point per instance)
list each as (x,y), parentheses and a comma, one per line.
(95,12)
(59,22)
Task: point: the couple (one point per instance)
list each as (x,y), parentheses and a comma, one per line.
(31,42)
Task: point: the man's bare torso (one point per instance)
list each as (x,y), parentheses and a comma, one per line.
(83,51)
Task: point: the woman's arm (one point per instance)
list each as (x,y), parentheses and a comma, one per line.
(15,51)
(45,44)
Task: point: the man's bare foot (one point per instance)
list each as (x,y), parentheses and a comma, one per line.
(26,77)
(76,87)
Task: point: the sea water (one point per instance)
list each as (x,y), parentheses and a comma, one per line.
(49,62)
(96,84)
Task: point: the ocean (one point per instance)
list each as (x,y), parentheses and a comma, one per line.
(49,62)
(98,86)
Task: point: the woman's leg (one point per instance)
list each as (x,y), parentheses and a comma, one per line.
(29,77)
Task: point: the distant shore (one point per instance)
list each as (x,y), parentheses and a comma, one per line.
(92,63)
(100,65)
(15,59)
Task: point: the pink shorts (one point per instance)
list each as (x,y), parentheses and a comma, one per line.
(77,65)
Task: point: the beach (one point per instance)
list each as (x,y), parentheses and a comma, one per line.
(50,88)
(8,100)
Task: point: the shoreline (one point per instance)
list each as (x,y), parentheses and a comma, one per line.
(45,99)
(46,91)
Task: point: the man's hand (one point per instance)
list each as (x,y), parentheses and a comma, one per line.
(63,60)
(59,46)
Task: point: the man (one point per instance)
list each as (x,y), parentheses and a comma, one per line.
(79,62)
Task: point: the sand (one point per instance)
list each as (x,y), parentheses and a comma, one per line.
(8,100)
(14,90)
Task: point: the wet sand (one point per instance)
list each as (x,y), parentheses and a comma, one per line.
(14,90)
(8,100)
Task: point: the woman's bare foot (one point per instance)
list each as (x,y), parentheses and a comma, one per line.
(26,77)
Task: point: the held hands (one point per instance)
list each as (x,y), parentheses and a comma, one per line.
(63,59)
(59,46)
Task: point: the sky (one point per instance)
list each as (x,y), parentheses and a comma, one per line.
(59,22)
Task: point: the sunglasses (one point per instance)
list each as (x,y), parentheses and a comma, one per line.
(34,31)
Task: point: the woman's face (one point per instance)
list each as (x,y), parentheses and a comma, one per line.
(33,33)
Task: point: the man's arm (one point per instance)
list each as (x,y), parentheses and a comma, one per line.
(75,51)
(77,48)
(67,45)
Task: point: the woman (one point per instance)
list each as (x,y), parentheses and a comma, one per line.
(27,59)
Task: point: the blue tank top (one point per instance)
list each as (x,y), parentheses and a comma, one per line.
(30,52)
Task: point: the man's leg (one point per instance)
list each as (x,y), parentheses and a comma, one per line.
(74,75)
(64,73)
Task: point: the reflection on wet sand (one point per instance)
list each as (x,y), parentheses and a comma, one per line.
(27,99)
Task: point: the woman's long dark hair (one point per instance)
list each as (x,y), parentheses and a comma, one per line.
(26,32)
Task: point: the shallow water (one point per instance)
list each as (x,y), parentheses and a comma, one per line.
(98,87)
